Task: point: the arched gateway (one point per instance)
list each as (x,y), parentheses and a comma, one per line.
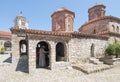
(42,57)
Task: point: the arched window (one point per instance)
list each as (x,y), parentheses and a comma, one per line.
(92,50)
(113,28)
(94,31)
(23,47)
(60,52)
(117,29)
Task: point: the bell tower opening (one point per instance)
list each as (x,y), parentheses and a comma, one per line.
(20,22)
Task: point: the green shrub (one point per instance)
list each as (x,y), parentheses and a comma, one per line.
(110,50)
(113,49)
(2,50)
(117,49)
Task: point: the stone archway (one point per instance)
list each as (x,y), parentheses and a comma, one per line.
(23,47)
(46,49)
(23,59)
(92,50)
(60,52)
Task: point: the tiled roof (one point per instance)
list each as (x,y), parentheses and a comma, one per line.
(103,33)
(101,18)
(48,32)
(107,33)
(4,34)
(72,34)
(63,9)
(42,32)
(90,35)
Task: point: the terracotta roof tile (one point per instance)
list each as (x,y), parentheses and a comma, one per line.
(103,33)
(72,34)
(101,18)
(43,32)
(4,34)
(90,35)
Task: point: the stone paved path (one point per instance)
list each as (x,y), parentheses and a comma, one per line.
(8,74)
(5,59)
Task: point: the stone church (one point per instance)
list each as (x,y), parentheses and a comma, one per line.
(65,46)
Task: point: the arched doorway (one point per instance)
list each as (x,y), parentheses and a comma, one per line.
(23,47)
(39,57)
(60,52)
(92,50)
(23,59)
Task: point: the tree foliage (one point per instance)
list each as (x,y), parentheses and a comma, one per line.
(113,49)
(2,50)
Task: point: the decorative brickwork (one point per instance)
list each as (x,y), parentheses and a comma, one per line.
(96,12)
(63,20)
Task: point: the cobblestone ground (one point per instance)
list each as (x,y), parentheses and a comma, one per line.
(8,74)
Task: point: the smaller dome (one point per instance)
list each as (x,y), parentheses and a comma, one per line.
(21,22)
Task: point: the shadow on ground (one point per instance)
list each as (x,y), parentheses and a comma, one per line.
(23,64)
(8,60)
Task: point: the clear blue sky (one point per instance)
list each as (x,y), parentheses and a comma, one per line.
(38,12)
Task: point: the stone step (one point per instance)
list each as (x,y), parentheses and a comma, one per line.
(95,61)
(91,68)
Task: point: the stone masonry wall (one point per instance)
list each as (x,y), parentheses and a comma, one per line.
(15,47)
(80,49)
(114,26)
(52,42)
(112,39)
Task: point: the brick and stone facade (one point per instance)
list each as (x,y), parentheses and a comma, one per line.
(63,20)
(76,46)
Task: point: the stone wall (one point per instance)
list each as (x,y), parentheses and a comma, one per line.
(114,38)
(114,26)
(52,41)
(77,49)
(15,47)
(80,49)
(20,63)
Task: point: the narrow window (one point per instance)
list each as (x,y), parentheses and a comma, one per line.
(60,52)
(113,28)
(117,29)
(94,31)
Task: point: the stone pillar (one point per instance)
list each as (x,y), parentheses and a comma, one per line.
(15,49)
(31,56)
(67,52)
(52,55)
